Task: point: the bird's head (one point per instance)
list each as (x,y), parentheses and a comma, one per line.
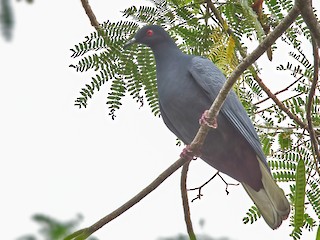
(150,35)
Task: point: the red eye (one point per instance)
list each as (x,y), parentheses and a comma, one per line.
(149,33)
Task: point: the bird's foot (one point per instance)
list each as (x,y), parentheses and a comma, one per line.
(189,153)
(204,120)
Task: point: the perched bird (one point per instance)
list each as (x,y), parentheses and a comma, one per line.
(187,86)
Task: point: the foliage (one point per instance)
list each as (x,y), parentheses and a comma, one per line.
(6,19)
(53,229)
(198,30)
(252,215)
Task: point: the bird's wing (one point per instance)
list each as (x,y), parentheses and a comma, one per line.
(211,80)
(169,123)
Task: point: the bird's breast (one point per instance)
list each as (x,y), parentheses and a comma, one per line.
(182,102)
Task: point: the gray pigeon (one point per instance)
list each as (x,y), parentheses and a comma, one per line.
(187,86)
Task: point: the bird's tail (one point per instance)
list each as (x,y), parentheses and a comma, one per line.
(270,200)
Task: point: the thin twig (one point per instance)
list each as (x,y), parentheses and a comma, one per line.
(280,104)
(203,130)
(287,99)
(93,20)
(227,184)
(278,92)
(305,7)
(185,201)
(314,140)
(275,127)
(199,195)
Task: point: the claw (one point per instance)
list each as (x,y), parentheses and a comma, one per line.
(204,120)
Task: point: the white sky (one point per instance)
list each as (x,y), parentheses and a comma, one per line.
(59,160)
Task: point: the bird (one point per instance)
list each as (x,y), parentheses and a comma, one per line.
(187,85)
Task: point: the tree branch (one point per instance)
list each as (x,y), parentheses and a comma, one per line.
(280,104)
(199,195)
(305,7)
(314,140)
(93,20)
(287,99)
(294,13)
(278,92)
(84,233)
(185,201)
(250,59)
(203,130)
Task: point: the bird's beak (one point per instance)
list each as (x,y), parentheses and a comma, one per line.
(129,43)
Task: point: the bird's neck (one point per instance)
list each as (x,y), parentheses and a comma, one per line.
(166,52)
(170,63)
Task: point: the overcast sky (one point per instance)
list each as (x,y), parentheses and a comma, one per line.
(59,160)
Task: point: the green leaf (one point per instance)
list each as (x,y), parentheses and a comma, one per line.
(267,142)
(300,194)
(253,215)
(285,140)
(313,195)
(6,19)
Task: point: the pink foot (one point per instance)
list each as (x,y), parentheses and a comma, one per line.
(204,120)
(189,154)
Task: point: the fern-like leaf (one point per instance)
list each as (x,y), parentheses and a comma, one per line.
(253,215)
(313,195)
(299,194)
